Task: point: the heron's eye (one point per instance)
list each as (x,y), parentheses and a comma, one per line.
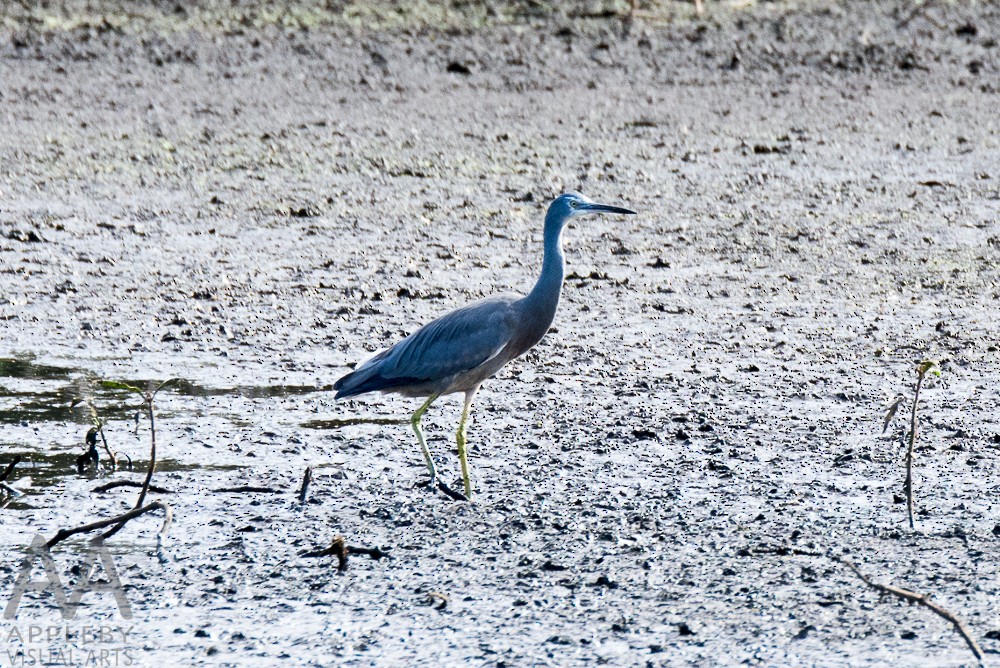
(573,204)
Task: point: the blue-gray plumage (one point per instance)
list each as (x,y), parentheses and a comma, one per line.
(458,351)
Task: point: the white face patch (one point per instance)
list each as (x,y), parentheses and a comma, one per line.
(578,209)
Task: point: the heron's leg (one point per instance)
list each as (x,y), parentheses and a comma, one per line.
(460,439)
(415,421)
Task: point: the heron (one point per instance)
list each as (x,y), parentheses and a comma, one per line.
(463,348)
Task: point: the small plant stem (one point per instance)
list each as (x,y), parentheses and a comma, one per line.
(922,370)
(147,396)
(152,451)
(107,448)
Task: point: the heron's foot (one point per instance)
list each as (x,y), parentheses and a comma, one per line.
(434,484)
(454,494)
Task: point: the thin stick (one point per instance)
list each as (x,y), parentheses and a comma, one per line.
(10,468)
(129,483)
(246,489)
(918,9)
(375,553)
(148,396)
(919,599)
(152,452)
(107,448)
(905,594)
(341,549)
(120,520)
(306,479)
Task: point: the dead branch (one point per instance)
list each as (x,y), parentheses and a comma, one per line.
(12,491)
(905,594)
(919,9)
(375,553)
(152,452)
(919,599)
(338,547)
(306,479)
(341,549)
(10,468)
(120,520)
(148,397)
(129,483)
(107,449)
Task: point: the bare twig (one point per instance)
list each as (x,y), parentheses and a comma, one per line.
(905,594)
(12,491)
(120,521)
(98,430)
(919,9)
(891,412)
(306,479)
(246,489)
(152,452)
(919,599)
(129,483)
(341,549)
(10,468)
(375,553)
(922,370)
(148,396)
(107,448)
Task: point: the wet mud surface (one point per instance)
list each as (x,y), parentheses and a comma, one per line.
(251,210)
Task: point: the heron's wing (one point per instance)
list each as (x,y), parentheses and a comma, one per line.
(457,342)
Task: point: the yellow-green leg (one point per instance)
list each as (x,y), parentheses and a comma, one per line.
(415,421)
(461,440)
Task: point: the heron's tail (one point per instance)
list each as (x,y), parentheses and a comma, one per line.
(368,379)
(353,384)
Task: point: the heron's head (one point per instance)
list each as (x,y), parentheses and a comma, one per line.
(573,204)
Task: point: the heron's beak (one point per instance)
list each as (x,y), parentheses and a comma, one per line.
(593,207)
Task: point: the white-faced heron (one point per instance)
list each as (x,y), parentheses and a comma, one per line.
(458,351)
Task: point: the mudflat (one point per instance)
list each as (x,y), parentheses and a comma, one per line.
(250,198)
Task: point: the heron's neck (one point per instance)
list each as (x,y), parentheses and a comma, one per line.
(544,297)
